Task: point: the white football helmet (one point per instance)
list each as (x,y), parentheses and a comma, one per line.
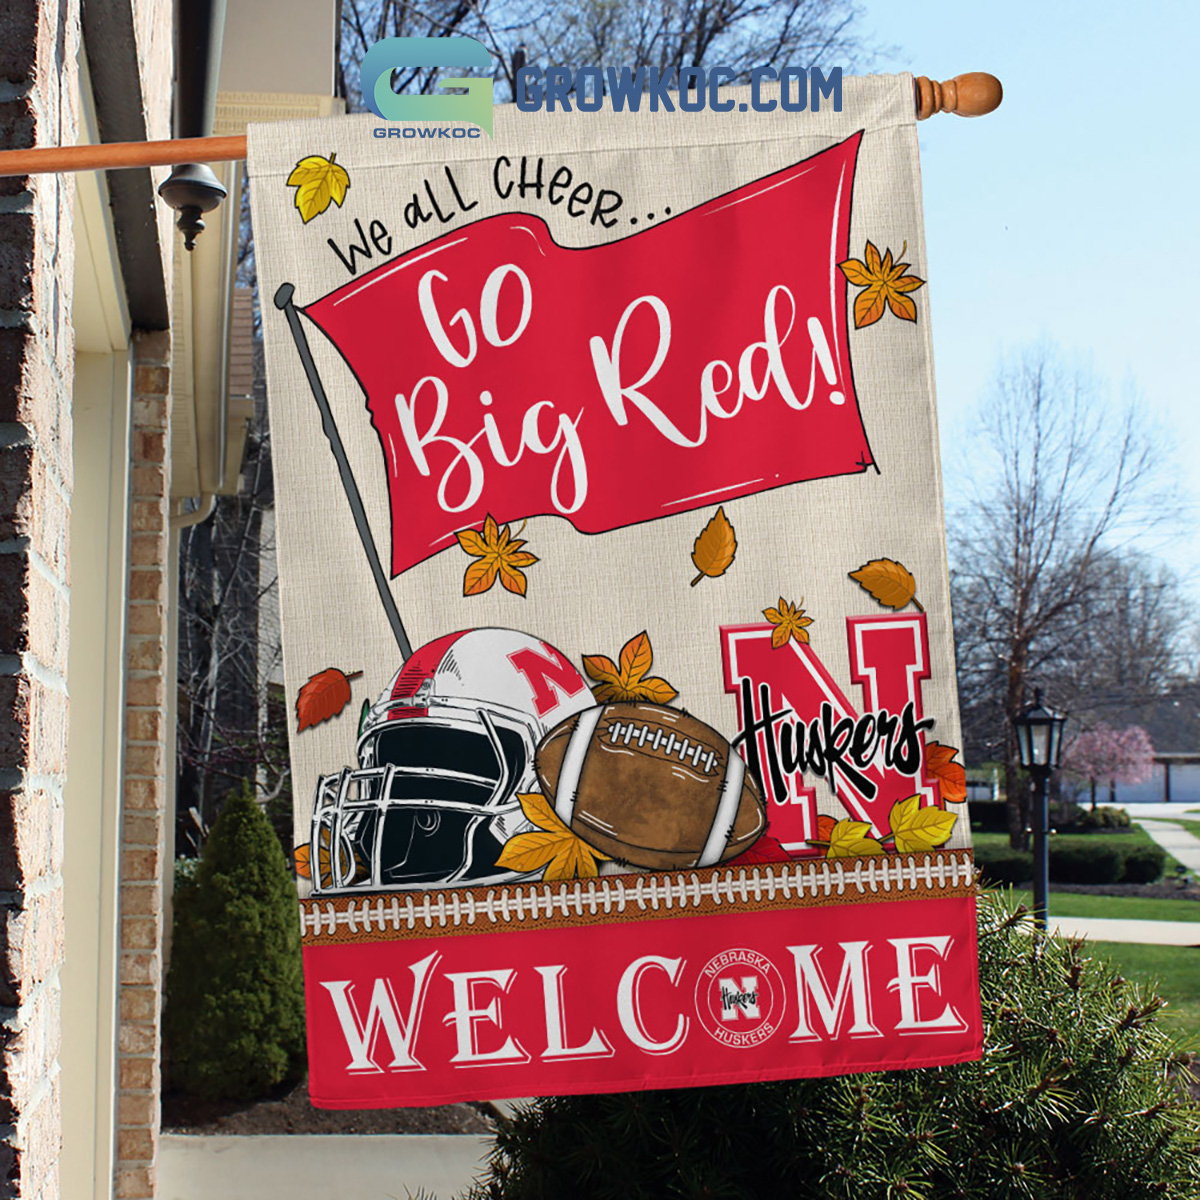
(442,755)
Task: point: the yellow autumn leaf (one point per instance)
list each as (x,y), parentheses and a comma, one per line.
(869,306)
(628,682)
(574,860)
(319,182)
(497,554)
(528,851)
(714,550)
(889,582)
(655,691)
(551,845)
(540,812)
(789,621)
(886,284)
(849,839)
(915,828)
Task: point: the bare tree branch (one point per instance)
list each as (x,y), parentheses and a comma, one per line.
(1041,583)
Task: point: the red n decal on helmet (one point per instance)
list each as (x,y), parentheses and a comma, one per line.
(546,673)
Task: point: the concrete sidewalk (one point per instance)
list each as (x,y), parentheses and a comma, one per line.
(318,1167)
(1113,929)
(1159,810)
(1174,839)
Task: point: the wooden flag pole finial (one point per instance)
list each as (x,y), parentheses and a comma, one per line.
(974,94)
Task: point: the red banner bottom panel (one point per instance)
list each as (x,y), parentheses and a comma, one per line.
(670,997)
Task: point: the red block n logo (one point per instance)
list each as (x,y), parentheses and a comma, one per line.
(788,703)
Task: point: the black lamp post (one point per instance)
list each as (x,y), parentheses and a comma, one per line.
(1039,744)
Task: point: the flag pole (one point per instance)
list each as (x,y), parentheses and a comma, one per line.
(112,156)
(971,95)
(283,301)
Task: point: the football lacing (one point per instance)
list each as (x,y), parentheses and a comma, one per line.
(625,731)
(605,900)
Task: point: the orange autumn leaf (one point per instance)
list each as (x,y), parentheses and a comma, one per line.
(636,656)
(324,696)
(886,285)
(602,668)
(628,682)
(349,865)
(950,775)
(301,856)
(551,845)
(714,550)
(789,621)
(498,556)
(889,582)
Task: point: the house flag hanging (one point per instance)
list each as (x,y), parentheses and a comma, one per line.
(615,605)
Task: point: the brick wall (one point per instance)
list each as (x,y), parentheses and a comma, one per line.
(144,816)
(38,45)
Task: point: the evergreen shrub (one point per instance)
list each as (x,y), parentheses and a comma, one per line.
(1104,817)
(1144,864)
(1003,864)
(1086,861)
(1079,1096)
(234,1021)
(1066,814)
(989,816)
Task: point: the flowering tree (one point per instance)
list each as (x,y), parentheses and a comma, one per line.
(1104,753)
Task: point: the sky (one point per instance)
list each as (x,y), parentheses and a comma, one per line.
(1071,214)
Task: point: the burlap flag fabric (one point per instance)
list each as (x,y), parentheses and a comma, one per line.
(615,603)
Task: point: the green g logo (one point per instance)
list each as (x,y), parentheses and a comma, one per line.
(393,54)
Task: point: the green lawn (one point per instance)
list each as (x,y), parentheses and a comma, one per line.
(1134,834)
(1175,969)
(1127,908)
(1193,827)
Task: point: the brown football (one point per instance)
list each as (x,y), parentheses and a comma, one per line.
(650,786)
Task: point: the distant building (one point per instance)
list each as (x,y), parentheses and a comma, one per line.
(1173,723)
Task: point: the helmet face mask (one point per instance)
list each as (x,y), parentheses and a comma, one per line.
(435,795)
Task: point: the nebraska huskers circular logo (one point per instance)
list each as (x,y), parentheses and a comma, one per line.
(739,998)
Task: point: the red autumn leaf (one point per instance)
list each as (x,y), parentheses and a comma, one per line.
(325,695)
(953,779)
(825,827)
(765,850)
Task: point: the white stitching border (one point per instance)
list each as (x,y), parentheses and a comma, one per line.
(635,894)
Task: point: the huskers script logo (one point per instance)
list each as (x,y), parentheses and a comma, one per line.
(795,720)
